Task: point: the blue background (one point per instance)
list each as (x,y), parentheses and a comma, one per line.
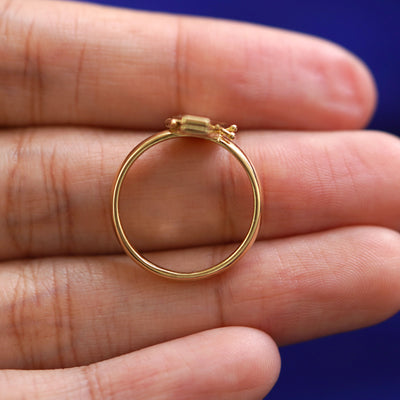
(356,365)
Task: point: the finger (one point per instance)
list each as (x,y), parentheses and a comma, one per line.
(229,363)
(68,63)
(67,312)
(57,186)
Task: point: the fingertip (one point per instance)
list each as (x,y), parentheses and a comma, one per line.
(358,81)
(368,93)
(286,80)
(229,363)
(263,363)
(382,250)
(226,363)
(253,359)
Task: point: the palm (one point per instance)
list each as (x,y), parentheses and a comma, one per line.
(327,249)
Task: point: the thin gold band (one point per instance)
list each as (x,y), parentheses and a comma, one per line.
(189,126)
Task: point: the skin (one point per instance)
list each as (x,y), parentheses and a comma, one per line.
(80,85)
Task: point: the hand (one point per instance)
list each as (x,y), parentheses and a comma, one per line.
(328,252)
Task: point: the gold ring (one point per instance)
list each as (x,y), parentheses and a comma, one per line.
(199,127)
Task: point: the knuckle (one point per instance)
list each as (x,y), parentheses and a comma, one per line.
(23,66)
(93,383)
(19,325)
(39,310)
(19,204)
(36,195)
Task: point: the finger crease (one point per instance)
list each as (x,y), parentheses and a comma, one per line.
(39,83)
(4,17)
(68,244)
(93,383)
(180,65)
(10,203)
(52,168)
(17,307)
(71,330)
(78,77)
(218,291)
(58,312)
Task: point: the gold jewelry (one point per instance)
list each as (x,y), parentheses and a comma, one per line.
(199,127)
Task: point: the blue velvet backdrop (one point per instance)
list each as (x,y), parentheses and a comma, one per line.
(364,364)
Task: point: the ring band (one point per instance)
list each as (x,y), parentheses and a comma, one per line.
(199,127)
